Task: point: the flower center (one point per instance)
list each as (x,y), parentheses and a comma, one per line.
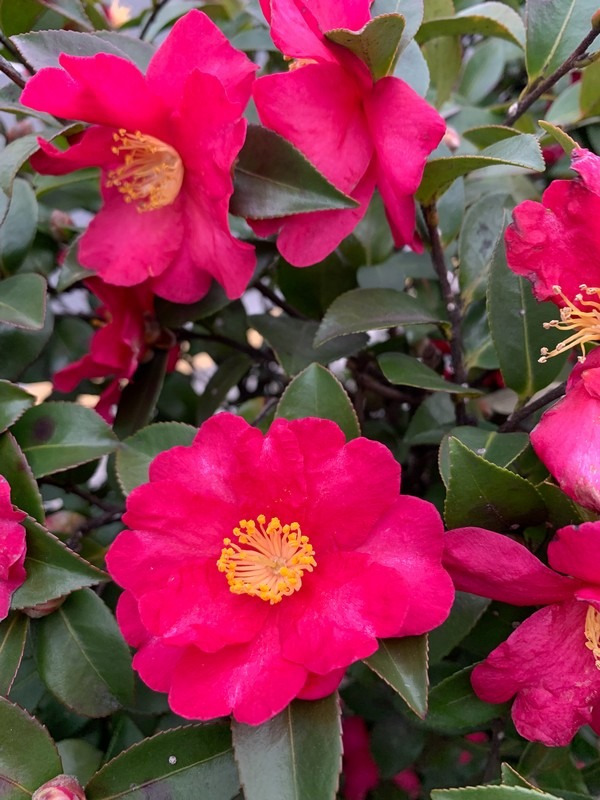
(583,320)
(592,633)
(152,171)
(271,564)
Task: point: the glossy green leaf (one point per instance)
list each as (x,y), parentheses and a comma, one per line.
(52,569)
(12,158)
(562,138)
(363,310)
(229,374)
(178,764)
(464,615)
(491,793)
(24,490)
(498,448)
(138,400)
(42,48)
(483,19)
(518,151)
(295,755)
(443,54)
(79,758)
(411,10)
(17,17)
(13,634)
(455,708)
(28,756)
(486,135)
(315,392)
(19,226)
(510,777)
(273,179)
(551,768)
(402,663)
(377,44)
(173,315)
(14,401)
(554,29)
(20,347)
(482,494)
(57,436)
(82,657)
(292,340)
(23,301)
(517,327)
(136,452)
(404,370)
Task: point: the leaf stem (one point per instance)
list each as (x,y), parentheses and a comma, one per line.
(452,303)
(539,88)
(152,17)
(516,418)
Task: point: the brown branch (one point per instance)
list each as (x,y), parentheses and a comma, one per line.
(517,417)
(8,45)
(253,352)
(267,292)
(89,497)
(540,88)
(152,17)
(7,68)
(452,303)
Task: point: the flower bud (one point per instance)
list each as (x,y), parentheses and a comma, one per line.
(63,787)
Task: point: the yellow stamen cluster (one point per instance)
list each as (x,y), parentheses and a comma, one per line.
(298,63)
(151,174)
(592,633)
(273,561)
(583,319)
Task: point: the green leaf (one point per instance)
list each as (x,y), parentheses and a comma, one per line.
(455,708)
(136,452)
(294,756)
(28,756)
(486,135)
(13,634)
(14,401)
(79,758)
(57,436)
(292,340)
(20,348)
(12,158)
(465,613)
(404,370)
(563,139)
(491,793)
(72,10)
(377,44)
(516,322)
(551,768)
(482,494)
(23,301)
(518,151)
(483,19)
(82,657)
(498,448)
(178,764)
(24,491)
(402,663)
(19,226)
(510,777)
(315,392)
(554,29)
(137,403)
(173,315)
(52,569)
(229,374)
(273,179)
(443,54)
(363,310)
(42,48)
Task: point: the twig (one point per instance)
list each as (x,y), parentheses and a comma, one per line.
(387,392)
(89,497)
(267,292)
(272,401)
(93,523)
(513,422)
(152,17)
(217,338)
(8,45)
(452,304)
(7,68)
(519,108)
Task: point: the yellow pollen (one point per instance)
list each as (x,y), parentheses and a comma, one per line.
(297,63)
(151,173)
(592,633)
(272,564)
(583,319)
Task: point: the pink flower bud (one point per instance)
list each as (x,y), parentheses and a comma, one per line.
(63,787)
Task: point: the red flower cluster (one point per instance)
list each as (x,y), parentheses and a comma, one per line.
(12,548)
(257,568)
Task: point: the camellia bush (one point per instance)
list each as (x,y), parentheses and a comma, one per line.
(299,399)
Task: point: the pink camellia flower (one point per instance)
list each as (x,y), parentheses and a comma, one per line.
(359,132)
(12,548)
(126,333)
(567,438)
(165,142)
(556,245)
(551,663)
(257,568)
(63,787)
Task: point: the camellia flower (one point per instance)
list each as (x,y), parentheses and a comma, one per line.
(63,787)
(559,439)
(12,548)
(359,132)
(257,568)
(127,331)
(165,142)
(551,663)
(556,246)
